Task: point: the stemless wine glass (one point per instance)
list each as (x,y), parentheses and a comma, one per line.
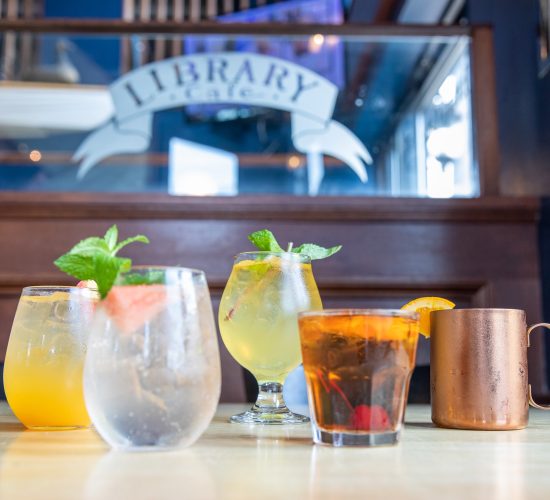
(45,357)
(258,323)
(152,375)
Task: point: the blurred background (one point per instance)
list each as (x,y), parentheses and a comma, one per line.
(413,132)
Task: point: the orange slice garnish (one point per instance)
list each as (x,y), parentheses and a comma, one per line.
(424,306)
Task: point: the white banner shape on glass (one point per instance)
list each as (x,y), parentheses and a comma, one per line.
(226,77)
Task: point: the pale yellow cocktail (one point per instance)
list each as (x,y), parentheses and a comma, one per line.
(258,312)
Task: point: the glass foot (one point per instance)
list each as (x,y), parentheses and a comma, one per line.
(56,427)
(354,439)
(269,409)
(274,416)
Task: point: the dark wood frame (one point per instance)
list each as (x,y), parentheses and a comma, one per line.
(40,206)
(121,27)
(485,110)
(482,54)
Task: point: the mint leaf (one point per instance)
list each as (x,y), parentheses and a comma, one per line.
(139,238)
(79,266)
(125,264)
(256,271)
(106,269)
(265,241)
(111,237)
(95,259)
(316,252)
(150,278)
(91,246)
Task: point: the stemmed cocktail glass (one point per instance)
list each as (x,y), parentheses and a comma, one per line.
(258,324)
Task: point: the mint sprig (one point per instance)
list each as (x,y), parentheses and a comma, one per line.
(265,241)
(96,259)
(151,277)
(316,252)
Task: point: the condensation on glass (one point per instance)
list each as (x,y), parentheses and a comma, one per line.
(230,115)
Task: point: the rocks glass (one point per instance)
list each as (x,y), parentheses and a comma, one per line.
(358,365)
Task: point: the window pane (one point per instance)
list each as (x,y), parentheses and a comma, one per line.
(230,115)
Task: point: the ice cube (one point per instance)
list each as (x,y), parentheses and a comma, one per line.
(64,344)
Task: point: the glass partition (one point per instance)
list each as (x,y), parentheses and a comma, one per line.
(233,114)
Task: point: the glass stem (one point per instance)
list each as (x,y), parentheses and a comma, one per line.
(270,397)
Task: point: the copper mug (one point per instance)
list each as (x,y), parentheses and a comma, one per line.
(479,372)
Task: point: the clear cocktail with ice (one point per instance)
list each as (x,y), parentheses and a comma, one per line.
(152,374)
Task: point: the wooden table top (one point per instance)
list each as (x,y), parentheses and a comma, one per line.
(234,461)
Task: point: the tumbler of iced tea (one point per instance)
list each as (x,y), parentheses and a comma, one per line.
(358,365)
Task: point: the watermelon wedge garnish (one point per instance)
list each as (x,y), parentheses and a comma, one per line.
(130,307)
(90,284)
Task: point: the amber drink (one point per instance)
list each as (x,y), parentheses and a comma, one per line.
(358,365)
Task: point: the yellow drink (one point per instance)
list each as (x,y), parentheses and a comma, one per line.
(45,358)
(258,314)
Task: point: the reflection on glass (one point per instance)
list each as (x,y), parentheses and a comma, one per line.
(116,474)
(438,128)
(201,170)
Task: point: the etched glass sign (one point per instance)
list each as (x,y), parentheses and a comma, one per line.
(228,115)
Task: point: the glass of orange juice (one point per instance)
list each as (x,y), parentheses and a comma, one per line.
(45,357)
(358,364)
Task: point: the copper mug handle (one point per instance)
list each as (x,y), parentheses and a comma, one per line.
(532,402)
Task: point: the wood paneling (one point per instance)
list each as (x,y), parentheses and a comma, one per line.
(213,28)
(144,206)
(485,110)
(480,252)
